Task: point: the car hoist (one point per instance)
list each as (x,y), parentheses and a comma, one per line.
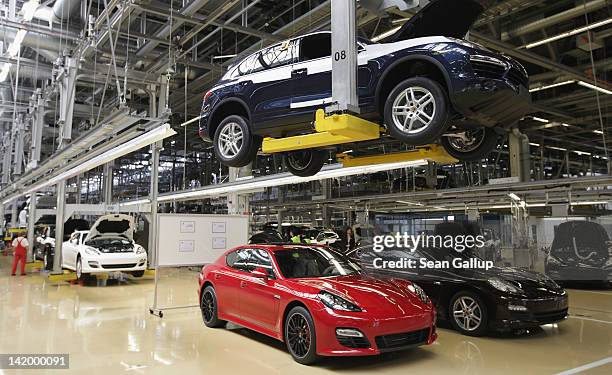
(338,123)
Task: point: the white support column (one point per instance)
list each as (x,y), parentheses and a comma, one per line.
(67,87)
(155,151)
(238,204)
(37,130)
(14,214)
(344,57)
(31,222)
(108,183)
(1,221)
(7,149)
(60,191)
(520,165)
(19,145)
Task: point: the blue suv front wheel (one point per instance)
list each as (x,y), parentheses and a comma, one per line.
(417,111)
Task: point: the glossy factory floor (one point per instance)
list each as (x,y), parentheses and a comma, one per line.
(108,330)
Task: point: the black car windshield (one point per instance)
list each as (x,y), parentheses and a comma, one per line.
(301,262)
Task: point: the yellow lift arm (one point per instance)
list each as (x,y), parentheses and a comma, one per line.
(330,130)
(344,128)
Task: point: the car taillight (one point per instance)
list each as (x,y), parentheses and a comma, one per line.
(207,95)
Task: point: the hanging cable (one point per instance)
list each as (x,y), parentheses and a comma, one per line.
(593,68)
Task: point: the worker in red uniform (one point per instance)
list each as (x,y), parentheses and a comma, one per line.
(20,246)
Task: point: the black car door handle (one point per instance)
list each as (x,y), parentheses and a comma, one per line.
(299,72)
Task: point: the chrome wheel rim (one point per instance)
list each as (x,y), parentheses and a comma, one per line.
(231,140)
(79,269)
(414,110)
(467,313)
(467,141)
(298,335)
(299,160)
(208,306)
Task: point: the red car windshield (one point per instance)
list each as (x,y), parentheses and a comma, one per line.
(314,262)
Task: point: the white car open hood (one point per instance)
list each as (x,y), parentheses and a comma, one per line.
(115,225)
(449,18)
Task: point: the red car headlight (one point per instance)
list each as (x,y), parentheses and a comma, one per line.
(337,303)
(415,289)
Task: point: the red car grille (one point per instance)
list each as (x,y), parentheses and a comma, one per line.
(401,340)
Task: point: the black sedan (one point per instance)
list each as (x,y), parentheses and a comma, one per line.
(473,300)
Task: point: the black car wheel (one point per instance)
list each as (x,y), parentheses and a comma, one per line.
(468,314)
(79,269)
(300,336)
(416,111)
(233,143)
(305,163)
(471,145)
(208,306)
(48,259)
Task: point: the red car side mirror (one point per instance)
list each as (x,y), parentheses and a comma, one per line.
(260,273)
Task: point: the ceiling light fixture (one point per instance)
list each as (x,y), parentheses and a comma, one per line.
(577,31)
(29,9)
(6,68)
(514,197)
(137,143)
(539,119)
(552,85)
(386,34)
(593,87)
(15,46)
(330,171)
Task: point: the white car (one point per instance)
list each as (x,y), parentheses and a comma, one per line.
(107,247)
(326,238)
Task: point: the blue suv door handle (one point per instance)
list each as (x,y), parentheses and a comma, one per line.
(299,72)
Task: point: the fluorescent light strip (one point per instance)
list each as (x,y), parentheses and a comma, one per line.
(539,119)
(15,46)
(598,132)
(552,85)
(577,31)
(332,171)
(29,9)
(137,143)
(134,202)
(514,197)
(6,68)
(593,87)
(385,34)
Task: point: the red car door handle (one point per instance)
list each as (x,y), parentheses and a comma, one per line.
(217,276)
(243,284)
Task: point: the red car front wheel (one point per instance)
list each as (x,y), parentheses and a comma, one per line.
(300,336)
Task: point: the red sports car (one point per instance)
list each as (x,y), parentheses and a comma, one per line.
(315,300)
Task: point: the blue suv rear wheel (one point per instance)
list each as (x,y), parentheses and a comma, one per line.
(234,144)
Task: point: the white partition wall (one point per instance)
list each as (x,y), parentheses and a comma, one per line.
(190,240)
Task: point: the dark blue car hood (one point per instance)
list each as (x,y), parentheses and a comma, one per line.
(450,18)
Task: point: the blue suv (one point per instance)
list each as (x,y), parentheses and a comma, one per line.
(424,84)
